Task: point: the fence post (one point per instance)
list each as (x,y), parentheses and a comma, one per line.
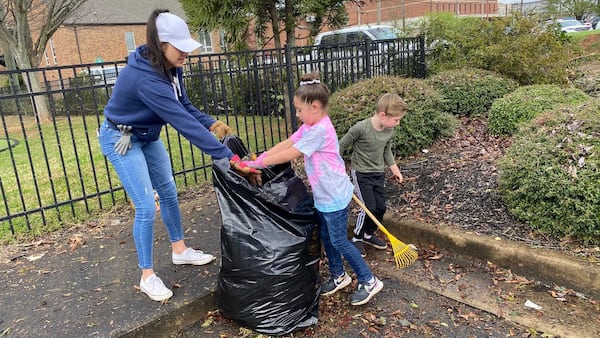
(12,229)
(422,72)
(367,58)
(290,87)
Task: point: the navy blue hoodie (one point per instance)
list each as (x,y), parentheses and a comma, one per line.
(147,101)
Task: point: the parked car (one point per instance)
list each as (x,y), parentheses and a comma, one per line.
(105,74)
(354,34)
(592,19)
(573,25)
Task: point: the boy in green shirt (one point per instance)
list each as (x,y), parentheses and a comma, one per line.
(371,143)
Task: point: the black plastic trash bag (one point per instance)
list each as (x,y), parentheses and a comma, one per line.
(270,250)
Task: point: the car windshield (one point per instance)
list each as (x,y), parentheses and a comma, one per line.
(382,33)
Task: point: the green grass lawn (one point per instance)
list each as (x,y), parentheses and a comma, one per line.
(61,160)
(5,143)
(579,36)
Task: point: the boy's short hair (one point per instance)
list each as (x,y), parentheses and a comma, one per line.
(392,105)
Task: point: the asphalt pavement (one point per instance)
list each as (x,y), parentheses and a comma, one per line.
(84,282)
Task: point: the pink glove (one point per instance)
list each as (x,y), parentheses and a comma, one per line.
(258,163)
(239,166)
(262,156)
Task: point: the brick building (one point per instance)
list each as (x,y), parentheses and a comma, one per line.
(108,30)
(103,30)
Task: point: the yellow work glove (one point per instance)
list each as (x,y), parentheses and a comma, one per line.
(220,129)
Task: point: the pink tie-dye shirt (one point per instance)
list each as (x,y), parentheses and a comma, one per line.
(331,186)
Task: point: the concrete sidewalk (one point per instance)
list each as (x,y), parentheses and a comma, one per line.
(92,290)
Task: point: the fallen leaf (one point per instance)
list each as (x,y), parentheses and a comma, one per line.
(76,241)
(207,322)
(35,257)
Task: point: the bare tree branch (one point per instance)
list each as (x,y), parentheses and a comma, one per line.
(26,26)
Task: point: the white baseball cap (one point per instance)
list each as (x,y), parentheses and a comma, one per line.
(174,30)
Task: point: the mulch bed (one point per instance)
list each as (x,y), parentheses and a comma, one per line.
(454,183)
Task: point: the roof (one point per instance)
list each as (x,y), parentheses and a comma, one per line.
(121,12)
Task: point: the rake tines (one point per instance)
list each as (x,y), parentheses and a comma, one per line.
(404,254)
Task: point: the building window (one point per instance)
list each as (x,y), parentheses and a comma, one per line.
(206,40)
(130,42)
(52,52)
(222,40)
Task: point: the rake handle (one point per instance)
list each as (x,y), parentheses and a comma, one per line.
(371,216)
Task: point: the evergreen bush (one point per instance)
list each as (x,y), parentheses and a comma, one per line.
(236,92)
(527,102)
(422,125)
(82,97)
(549,175)
(471,91)
(516,46)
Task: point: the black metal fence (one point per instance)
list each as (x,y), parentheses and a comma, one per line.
(53,172)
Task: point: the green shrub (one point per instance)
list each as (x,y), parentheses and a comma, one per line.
(549,176)
(516,46)
(221,92)
(421,126)
(81,97)
(471,91)
(527,102)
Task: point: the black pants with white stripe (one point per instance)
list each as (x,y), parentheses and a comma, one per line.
(370,189)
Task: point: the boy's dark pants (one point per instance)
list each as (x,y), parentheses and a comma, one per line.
(370,188)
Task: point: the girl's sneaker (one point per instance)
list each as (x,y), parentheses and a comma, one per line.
(334,284)
(365,292)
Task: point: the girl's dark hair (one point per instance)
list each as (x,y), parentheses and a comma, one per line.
(311,89)
(153,51)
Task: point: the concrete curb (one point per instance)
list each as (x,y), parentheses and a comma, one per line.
(544,265)
(547,266)
(181,317)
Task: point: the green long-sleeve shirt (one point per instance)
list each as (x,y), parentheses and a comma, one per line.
(371,148)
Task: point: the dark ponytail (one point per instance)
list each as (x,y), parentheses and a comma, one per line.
(153,51)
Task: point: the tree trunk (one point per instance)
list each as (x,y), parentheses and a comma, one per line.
(290,23)
(40,101)
(34,87)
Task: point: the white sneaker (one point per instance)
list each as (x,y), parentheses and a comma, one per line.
(155,288)
(191,256)
(365,292)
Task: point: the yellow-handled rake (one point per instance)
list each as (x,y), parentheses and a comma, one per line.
(404,254)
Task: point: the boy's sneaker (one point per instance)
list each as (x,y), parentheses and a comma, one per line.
(334,284)
(155,289)
(365,292)
(375,242)
(191,256)
(358,243)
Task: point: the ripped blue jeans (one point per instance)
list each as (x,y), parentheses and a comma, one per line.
(145,167)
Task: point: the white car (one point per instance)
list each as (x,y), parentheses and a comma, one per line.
(106,74)
(572,25)
(353,34)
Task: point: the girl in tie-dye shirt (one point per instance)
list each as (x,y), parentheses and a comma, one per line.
(317,141)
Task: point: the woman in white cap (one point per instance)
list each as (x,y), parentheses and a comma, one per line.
(148,94)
